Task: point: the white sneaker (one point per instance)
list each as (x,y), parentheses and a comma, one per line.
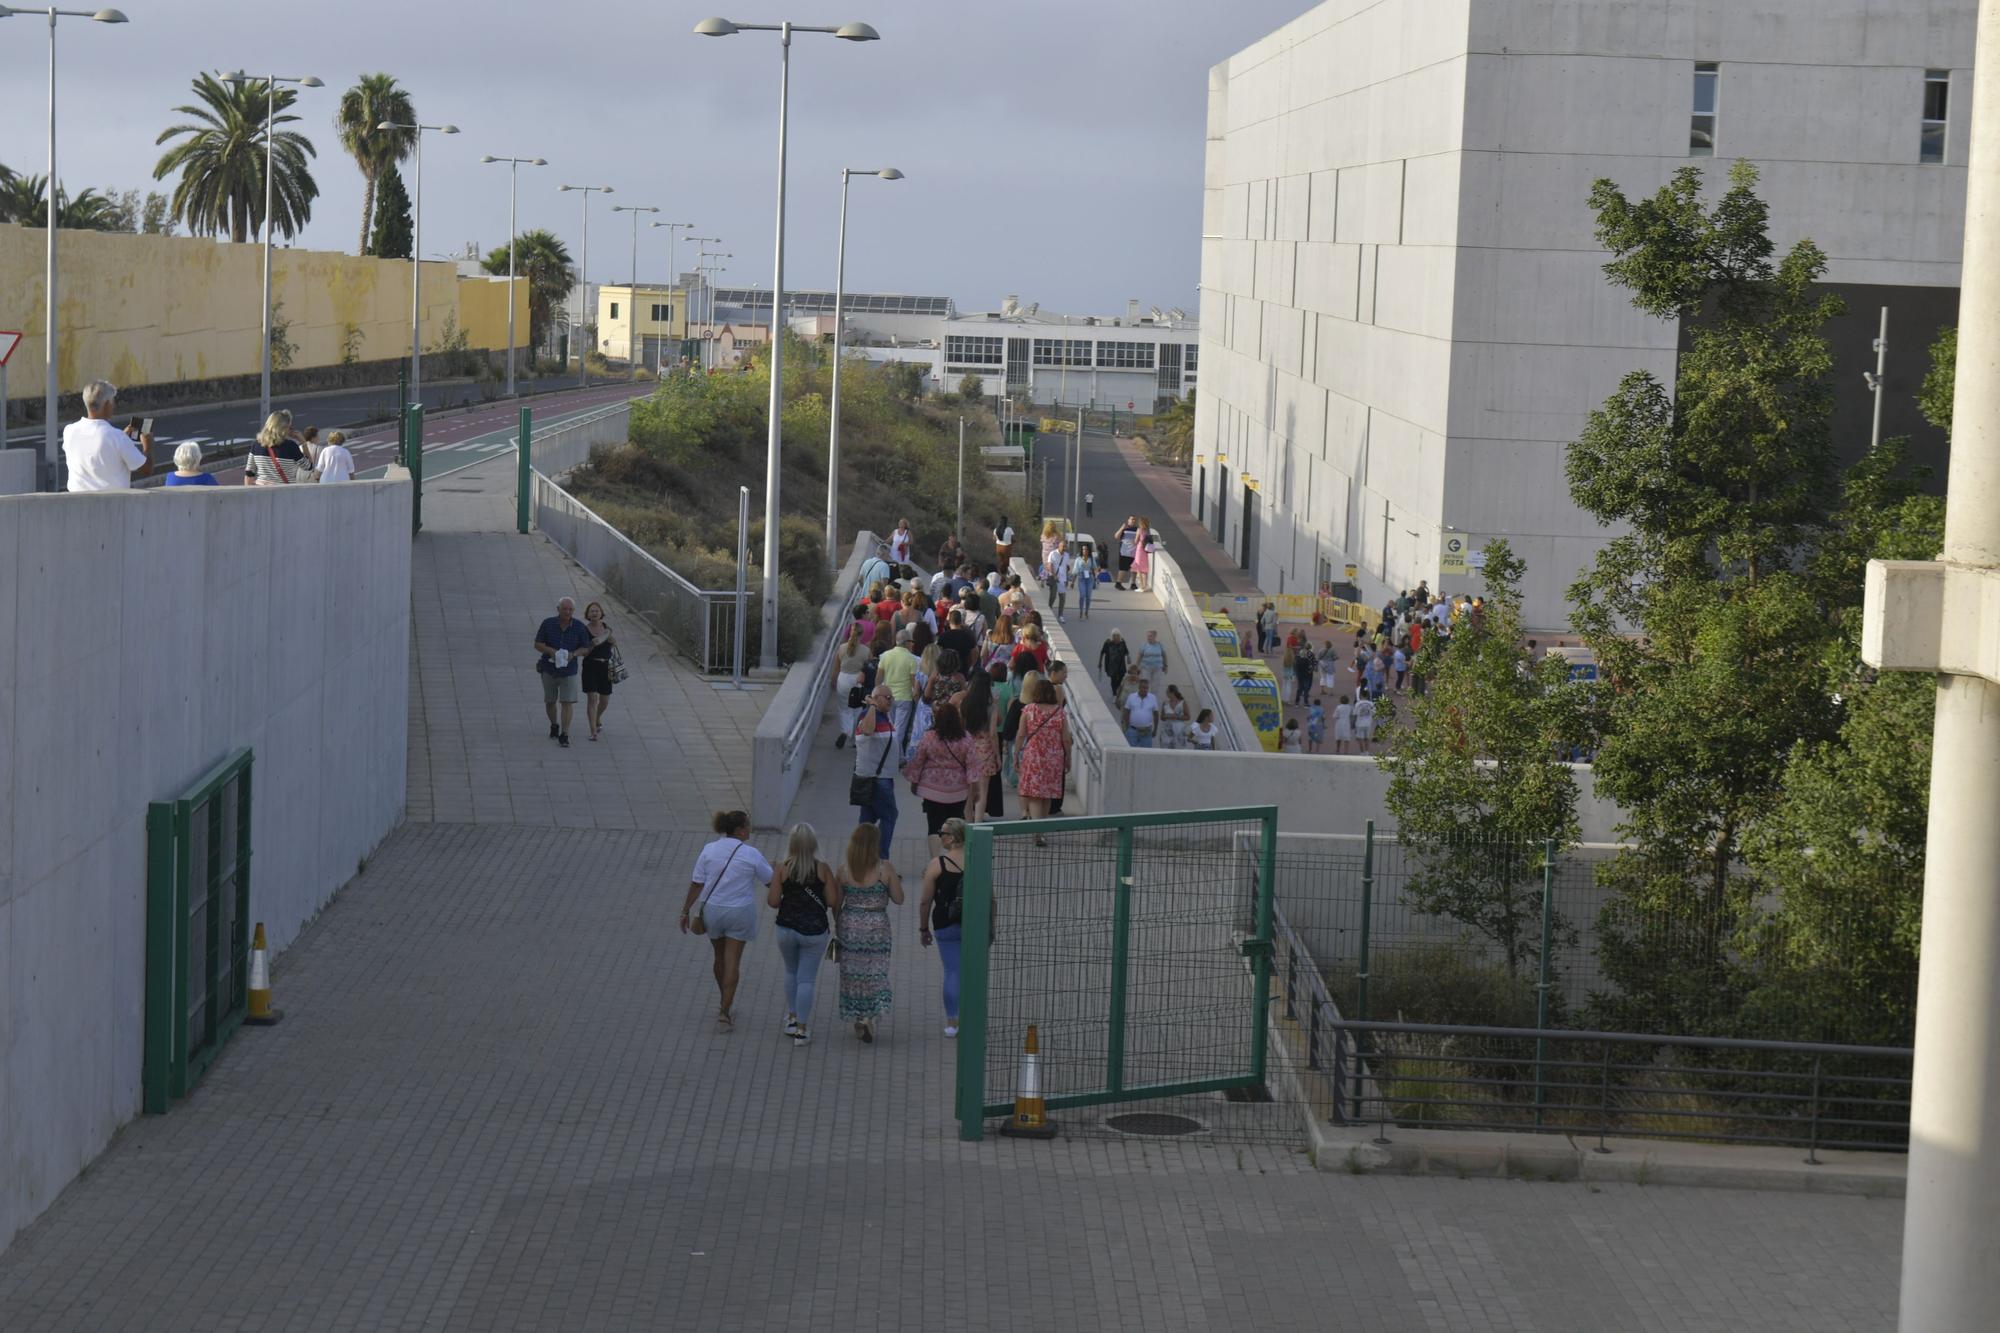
(792,1028)
(801,1037)
(951,1029)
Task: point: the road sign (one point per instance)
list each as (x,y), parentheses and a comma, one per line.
(8,342)
(1452,556)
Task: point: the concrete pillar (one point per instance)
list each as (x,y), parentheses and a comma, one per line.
(1951,1235)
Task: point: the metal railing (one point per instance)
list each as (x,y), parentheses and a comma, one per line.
(699,624)
(1639,1085)
(561,448)
(799,735)
(1198,650)
(1088,748)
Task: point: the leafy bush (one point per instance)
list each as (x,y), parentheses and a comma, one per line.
(1438,983)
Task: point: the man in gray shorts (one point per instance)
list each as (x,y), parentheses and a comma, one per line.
(558,645)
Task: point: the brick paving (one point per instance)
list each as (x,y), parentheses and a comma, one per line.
(497,1102)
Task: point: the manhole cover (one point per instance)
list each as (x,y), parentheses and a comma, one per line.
(1154,1125)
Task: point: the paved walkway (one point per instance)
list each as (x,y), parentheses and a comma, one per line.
(497,1102)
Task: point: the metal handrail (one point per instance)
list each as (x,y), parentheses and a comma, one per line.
(1635,1038)
(798,737)
(1170,588)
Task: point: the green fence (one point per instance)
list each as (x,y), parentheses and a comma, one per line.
(1138,945)
(197,928)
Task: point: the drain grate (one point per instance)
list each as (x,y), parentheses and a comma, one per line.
(1259,1093)
(1153,1125)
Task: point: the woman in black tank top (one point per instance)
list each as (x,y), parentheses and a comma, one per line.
(940,910)
(806,893)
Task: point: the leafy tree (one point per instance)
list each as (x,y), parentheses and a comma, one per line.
(220,158)
(1941,383)
(394,232)
(1710,638)
(544,264)
(374,99)
(24,200)
(1175,429)
(971,388)
(1478,780)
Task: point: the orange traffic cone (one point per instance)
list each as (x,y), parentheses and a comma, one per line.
(1030,1119)
(261,1014)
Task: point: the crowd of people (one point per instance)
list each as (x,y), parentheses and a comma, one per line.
(101,456)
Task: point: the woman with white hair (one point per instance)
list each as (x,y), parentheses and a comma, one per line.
(187,467)
(277,458)
(806,893)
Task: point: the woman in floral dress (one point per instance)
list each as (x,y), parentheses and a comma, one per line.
(1042,748)
(868,884)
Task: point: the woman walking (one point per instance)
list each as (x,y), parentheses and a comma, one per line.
(1083,571)
(867,884)
(723,887)
(276,459)
(1113,658)
(941,911)
(1143,546)
(943,769)
(850,670)
(806,895)
(977,714)
(1052,544)
(1174,720)
(1003,544)
(1042,752)
(1202,735)
(597,667)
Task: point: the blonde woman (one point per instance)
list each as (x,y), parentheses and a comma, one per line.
(806,893)
(867,885)
(998,646)
(276,459)
(597,662)
(1052,542)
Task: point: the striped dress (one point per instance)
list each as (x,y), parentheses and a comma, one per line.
(865,940)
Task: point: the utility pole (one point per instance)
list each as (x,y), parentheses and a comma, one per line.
(958,525)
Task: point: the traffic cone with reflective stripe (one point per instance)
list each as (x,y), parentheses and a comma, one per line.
(261,1014)
(1030,1119)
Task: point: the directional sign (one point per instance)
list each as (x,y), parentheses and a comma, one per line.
(8,342)
(1451,559)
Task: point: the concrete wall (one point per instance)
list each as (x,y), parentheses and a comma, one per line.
(786,731)
(17,471)
(163,309)
(149,635)
(1404,315)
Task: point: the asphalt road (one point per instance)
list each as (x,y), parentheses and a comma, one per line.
(1108,474)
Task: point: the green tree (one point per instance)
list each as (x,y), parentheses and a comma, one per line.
(394,232)
(1941,382)
(1175,430)
(375,99)
(1478,780)
(971,388)
(544,264)
(220,159)
(24,200)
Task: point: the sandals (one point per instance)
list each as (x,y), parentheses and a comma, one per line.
(724,1023)
(865,1030)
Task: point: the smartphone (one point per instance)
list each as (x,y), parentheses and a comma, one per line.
(146,426)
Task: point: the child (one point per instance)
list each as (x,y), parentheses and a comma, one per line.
(1364,725)
(1289,741)
(1343,725)
(1315,726)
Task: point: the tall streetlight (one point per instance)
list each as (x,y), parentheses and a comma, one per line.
(51,451)
(711,268)
(839,296)
(672,275)
(242,78)
(583,280)
(513,238)
(701,255)
(417,256)
(632,323)
(847,32)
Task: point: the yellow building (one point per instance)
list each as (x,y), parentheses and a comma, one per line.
(662,320)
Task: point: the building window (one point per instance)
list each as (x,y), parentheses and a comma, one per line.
(1701,131)
(960,350)
(1125,356)
(1170,369)
(1190,353)
(663,314)
(1937,105)
(1063,352)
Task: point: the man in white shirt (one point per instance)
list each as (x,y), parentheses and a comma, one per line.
(1142,712)
(101,457)
(335,462)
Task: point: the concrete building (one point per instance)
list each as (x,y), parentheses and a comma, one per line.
(1404,315)
(662,321)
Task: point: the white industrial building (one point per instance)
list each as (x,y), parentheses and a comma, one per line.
(1404,315)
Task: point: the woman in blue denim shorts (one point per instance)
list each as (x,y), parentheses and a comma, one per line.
(724,885)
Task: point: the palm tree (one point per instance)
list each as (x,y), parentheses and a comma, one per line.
(23,199)
(1175,429)
(221,161)
(545,265)
(375,98)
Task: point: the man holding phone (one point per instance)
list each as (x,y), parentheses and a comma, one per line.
(101,457)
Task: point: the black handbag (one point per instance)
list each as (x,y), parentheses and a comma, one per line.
(861,790)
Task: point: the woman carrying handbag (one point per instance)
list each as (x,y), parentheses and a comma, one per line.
(806,893)
(722,902)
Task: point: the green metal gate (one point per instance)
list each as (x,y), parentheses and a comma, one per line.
(197,928)
(1138,945)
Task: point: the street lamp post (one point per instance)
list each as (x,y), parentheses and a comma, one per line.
(851,32)
(513,237)
(839,296)
(417,256)
(672,276)
(712,268)
(632,322)
(241,77)
(51,428)
(702,256)
(583,281)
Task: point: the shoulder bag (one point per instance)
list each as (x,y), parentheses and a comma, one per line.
(697,918)
(861,789)
(614,664)
(832,926)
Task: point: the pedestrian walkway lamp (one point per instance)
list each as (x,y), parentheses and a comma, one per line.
(513,242)
(702,254)
(51,431)
(416,256)
(847,32)
(632,322)
(242,79)
(672,276)
(583,279)
(839,295)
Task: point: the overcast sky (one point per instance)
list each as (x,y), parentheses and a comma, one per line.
(1053,147)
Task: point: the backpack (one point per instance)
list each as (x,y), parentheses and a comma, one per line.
(858,696)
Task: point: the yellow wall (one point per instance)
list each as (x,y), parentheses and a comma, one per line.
(613,334)
(159,309)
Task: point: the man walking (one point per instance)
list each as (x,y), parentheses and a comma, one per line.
(897,673)
(1142,715)
(99,456)
(560,642)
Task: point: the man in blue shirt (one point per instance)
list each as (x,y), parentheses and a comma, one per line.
(560,643)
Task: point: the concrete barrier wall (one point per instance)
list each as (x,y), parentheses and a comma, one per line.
(558,449)
(1191,640)
(1095,730)
(149,634)
(17,471)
